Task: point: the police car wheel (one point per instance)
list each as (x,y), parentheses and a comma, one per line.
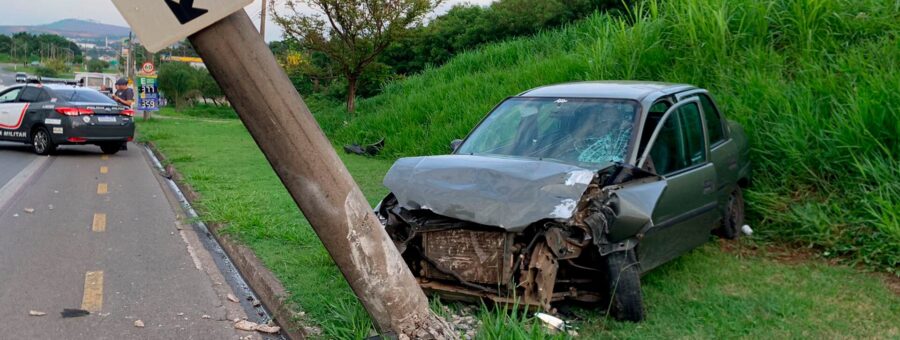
(42,143)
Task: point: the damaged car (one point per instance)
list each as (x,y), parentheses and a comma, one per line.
(570,192)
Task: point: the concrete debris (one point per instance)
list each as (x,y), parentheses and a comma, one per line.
(268,329)
(29,210)
(312,331)
(180,314)
(232,298)
(205,316)
(552,322)
(138,324)
(50,207)
(251,326)
(36,313)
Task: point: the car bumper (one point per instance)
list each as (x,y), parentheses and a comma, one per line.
(76,131)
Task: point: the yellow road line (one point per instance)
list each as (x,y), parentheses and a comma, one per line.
(99,223)
(104,157)
(102,189)
(93,292)
(104,170)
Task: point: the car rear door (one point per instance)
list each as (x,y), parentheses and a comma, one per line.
(723,150)
(686,211)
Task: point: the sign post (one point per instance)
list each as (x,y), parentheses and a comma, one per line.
(148,91)
(302,157)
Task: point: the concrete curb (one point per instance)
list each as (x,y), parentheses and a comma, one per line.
(262,281)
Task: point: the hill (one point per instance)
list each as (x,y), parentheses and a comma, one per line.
(813,82)
(71,28)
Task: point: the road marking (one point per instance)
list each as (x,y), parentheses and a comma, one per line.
(99,223)
(102,189)
(93,292)
(104,157)
(18,182)
(104,170)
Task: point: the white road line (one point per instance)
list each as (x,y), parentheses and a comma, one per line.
(8,191)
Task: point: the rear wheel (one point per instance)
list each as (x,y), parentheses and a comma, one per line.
(41,142)
(624,282)
(111,148)
(734,216)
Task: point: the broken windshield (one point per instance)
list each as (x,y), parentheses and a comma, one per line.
(582,131)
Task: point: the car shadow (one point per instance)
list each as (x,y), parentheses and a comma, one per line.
(63,150)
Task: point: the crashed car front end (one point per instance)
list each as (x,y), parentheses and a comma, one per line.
(515,230)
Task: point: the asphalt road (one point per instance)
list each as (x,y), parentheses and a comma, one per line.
(85,231)
(6,78)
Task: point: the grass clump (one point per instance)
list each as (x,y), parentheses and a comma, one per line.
(812,81)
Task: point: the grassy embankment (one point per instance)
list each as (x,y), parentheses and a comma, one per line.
(812,81)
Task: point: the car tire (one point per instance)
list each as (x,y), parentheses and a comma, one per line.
(42,143)
(733,219)
(624,282)
(111,149)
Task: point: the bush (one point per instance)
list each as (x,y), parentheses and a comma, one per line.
(814,82)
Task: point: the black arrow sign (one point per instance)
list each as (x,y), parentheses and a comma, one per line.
(185,11)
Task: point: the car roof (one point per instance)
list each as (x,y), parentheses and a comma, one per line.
(618,89)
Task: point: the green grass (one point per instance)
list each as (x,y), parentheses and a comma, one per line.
(814,82)
(709,293)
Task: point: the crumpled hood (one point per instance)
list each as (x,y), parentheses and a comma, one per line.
(509,193)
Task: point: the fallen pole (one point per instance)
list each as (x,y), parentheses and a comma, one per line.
(308,166)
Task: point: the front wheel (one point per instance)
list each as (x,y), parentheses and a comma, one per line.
(624,282)
(112,148)
(42,143)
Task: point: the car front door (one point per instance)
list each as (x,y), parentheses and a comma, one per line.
(686,211)
(12,113)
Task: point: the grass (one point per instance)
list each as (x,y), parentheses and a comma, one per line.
(709,293)
(814,82)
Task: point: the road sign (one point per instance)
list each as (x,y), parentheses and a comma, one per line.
(148,93)
(160,23)
(148,68)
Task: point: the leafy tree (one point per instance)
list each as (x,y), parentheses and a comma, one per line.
(179,82)
(207,86)
(352,33)
(97,65)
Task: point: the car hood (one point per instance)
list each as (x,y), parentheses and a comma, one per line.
(509,193)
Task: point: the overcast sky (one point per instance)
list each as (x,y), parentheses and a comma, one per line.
(36,12)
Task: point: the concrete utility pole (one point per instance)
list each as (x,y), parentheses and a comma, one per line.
(262,20)
(310,169)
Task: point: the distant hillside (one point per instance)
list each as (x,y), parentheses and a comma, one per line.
(71,28)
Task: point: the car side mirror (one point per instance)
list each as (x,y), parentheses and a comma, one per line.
(455,144)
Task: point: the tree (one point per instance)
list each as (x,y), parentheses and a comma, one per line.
(178,82)
(97,65)
(352,33)
(208,87)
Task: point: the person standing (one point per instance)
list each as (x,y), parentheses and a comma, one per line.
(123,94)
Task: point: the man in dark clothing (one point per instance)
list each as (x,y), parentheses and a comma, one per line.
(123,95)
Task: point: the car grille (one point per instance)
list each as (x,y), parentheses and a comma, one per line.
(475,256)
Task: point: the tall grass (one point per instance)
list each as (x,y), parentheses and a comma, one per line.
(814,82)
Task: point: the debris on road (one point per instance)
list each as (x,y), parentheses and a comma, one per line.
(36,313)
(552,322)
(232,298)
(74,313)
(205,316)
(368,150)
(747,230)
(50,207)
(138,324)
(250,326)
(29,210)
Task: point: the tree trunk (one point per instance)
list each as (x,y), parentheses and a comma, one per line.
(352,81)
(308,166)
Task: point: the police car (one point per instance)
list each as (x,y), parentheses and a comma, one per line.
(46,116)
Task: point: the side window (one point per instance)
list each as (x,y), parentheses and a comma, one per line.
(9,96)
(680,143)
(714,127)
(31,94)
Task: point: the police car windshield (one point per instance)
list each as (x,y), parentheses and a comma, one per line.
(83,96)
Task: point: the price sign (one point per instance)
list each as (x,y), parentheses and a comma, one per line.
(148,93)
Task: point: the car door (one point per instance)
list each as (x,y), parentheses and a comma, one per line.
(32,97)
(686,211)
(12,113)
(723,150)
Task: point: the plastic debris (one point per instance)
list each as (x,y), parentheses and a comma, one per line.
(232,298)
(747,230)
(36,313)
(138,324)
(551,321)
(74,313)
(368,150)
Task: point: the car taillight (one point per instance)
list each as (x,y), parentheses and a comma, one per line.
(128,112)
(74,111)
(77,139)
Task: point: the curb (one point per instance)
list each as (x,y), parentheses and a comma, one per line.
(261,280)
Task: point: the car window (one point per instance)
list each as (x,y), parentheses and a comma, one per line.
(10,96)
(583,131)
(83,96)
(680,143)
(714,127)
(31,94)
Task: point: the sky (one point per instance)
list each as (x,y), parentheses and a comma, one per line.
(36,12)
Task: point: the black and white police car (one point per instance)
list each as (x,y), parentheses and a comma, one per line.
(46,116)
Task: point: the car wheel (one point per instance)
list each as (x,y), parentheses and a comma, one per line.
(624,282)
(111,149)
(734,216)
(42,143)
